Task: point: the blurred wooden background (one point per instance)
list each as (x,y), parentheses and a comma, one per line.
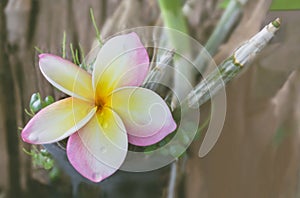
(257,154)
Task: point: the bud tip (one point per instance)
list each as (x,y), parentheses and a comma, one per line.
(276,23)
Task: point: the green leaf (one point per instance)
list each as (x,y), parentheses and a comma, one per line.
(149,150)
(83,64)
(48,163)
(285,5)
(73,54)
(54,173)
(276,4)
(31,114)
(38,50)
(224,4)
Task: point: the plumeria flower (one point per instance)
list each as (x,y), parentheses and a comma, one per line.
(105,110)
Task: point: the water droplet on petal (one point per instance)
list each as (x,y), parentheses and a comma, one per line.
(103,149)
(102,113)
(33,138)
(105,125)
(97,176)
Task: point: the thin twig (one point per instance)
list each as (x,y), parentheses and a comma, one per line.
(98,35)
(231,67)
(63,45)
(172,180)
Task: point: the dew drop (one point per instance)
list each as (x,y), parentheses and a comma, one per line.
(100,119)
(97,176)
(33,138)
(105,125)
(103,149)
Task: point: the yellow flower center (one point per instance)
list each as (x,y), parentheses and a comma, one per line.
(100,103)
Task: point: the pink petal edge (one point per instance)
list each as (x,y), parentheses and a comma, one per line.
(78,155)
(161,134)
(94,151)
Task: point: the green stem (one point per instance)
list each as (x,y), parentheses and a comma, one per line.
(98,35)
(172,14)
(173,18)
(229,18)
(63,45)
